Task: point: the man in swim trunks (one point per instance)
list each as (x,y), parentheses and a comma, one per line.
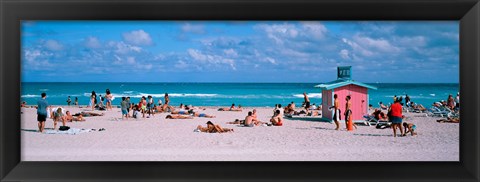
(306,100)
(42,105)
(336,115)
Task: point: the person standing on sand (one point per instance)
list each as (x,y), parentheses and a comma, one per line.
(336,115)
(76,101)
(42,112)
(69,100)
(92,100)
(306,100)
(109,98)
(124,106)
(396,117)
(348,111)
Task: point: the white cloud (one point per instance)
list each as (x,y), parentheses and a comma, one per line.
(190,28)
(53,45)
(131,60)
(278,32)
(314,29)
(344,54)
(92,42)
(137,37)
(230,52)
(270,60)
(375,44)
(122,48)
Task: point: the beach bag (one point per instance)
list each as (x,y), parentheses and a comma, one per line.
(64,128)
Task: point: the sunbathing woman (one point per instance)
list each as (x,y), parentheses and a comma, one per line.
(232,108)
(70,118)
(212,128)
(178,117)
(183,112)
(197,114)
(449,120)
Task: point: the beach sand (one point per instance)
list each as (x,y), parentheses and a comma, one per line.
(158,139)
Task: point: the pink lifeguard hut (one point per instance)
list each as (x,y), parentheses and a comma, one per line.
(343,86)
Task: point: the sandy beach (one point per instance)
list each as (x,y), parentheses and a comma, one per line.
(159,139)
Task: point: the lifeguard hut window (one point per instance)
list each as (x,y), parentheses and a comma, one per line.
(344,72)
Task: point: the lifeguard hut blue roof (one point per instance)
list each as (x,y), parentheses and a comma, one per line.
(342,82)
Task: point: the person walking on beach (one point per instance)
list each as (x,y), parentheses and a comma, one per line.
(42,105)
(336,115)
(92,100)
(306,100)
(69,101)
(109,98)
(396,117)
(124,106)
(76,101)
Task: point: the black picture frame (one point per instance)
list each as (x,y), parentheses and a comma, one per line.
(13,11)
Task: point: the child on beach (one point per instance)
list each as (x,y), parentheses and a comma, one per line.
(124,107)
(409,127)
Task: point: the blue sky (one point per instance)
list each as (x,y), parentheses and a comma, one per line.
(239,51)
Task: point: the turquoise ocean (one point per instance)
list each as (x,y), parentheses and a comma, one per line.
(224,94)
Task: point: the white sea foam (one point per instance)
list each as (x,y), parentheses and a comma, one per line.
(30,96)
(311,95)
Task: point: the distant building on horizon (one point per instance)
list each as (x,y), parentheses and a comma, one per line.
(343,86)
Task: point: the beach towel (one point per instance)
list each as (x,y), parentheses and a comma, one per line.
(71,131)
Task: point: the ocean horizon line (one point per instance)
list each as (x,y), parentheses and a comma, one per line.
(262,82)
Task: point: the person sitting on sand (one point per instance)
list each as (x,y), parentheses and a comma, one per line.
(409,127)
(176,116)
(250,121)
(197,114)
(213,128)
(277,120)
(70,118)
(449,120)
(231,108)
